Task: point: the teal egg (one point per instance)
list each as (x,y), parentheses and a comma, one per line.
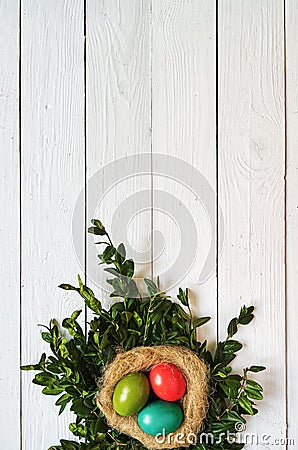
(160,415)
(131,394)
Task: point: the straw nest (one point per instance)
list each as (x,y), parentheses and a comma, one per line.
(142,359)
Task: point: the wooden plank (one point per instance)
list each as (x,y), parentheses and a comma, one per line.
(184,127)
(52,176)
(251,192)
(292,211)
(10,223)
(118,125)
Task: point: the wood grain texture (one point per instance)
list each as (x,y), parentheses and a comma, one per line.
(118,125)
(9,229)
(184,126)
(251,192)
(52,176)
(151,92)
(292,211)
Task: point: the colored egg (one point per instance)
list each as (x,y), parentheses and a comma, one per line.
(167,382)
(131,394)
(160,417)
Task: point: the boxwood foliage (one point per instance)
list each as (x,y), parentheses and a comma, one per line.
(78,360)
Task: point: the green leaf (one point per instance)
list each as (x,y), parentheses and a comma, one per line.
(253,393)
(63,349)
(121,253)
(47,337)
(54,369)
(128,268)
(151,286)
(89,298)
(200,321)
(232,346)
(117,285)
(73,327)
(233,416)
(68,287)
(96,231)
(80,409)
(182,314)
(183,297)
(76,314)
(95,305)
(108,253)
(137,318)
(48,390)
(254,385)
(245,311)
(231,386)
(30,367)
(132,290)
(246,405)
(221,427)
(62,399)
(116,309)
(135,332)
(127,314)
(246,319)
(113,271)
(98,224)
(256,368)
(232,328)
(44,378)
(78,430)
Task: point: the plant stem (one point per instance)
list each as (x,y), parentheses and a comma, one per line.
(191,316)
(155,296)
(241,389)
(110,240)
(147,321)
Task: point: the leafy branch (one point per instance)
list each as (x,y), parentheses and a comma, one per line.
(77,361)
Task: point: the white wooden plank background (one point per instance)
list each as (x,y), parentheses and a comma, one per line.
(291,21)
(213,83)
(184,126)
(10,228)
(251,191)
(119,125)
(53,166)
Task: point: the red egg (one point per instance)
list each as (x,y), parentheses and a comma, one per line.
(167,382)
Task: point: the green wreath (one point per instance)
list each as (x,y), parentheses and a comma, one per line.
(77,363)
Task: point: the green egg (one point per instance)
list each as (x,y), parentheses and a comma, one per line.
(160,415)
(131,394)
